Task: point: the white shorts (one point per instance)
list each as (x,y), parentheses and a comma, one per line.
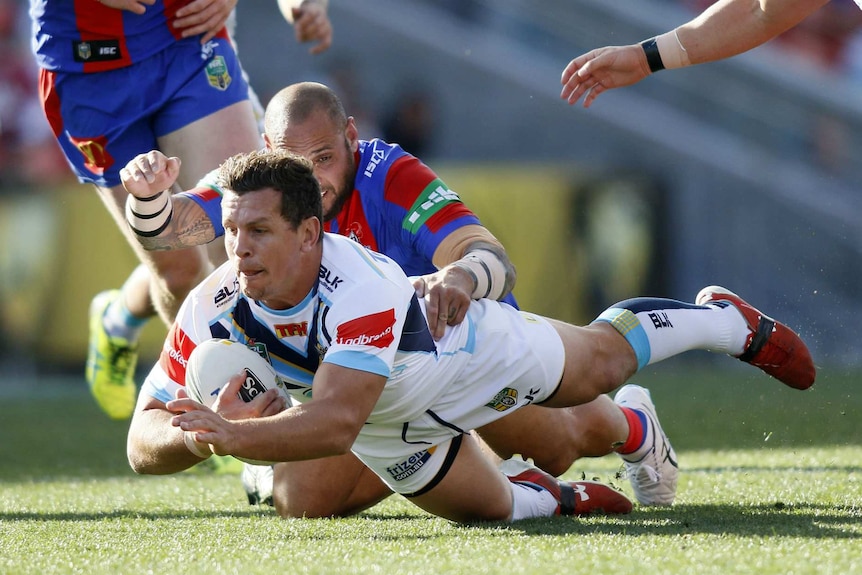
(518,359)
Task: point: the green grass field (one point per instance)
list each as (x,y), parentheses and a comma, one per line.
(771,483)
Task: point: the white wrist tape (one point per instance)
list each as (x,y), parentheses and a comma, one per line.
(149,216)
(488,272)
(673,53)
(202,450)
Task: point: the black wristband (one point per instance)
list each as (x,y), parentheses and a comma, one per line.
(653,57)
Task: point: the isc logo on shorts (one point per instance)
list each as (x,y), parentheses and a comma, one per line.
(505,399)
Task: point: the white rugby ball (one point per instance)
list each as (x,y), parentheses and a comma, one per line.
(212,364)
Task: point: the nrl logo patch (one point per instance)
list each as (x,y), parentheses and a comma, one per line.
(504,400)
(217,74)
(84,51)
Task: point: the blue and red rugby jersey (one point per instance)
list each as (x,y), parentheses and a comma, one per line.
(399,207)
(85,36)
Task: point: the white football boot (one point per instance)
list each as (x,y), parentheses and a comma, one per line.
(653,474)
(257,482)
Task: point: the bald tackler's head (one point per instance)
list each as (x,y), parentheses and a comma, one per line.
(308,119)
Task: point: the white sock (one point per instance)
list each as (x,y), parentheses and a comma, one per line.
(720,330)
(529,501)
(659,329)
(119,321)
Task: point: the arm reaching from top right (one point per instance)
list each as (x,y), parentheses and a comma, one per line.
(725,29)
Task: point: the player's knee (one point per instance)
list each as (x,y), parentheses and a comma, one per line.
(613,361)
(305,509)
(291,503)
(556,463)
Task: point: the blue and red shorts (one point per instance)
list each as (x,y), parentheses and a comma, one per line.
(104,119)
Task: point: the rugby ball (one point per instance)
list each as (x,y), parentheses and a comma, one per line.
(212,364)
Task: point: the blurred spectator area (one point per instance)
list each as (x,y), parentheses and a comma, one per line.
(825,39)
(743,172)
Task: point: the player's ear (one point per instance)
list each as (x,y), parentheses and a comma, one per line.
(309,232)
(351,134)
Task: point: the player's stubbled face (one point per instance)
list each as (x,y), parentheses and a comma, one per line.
(263,247)
(329,149)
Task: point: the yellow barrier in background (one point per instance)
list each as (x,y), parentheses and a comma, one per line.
(61,248)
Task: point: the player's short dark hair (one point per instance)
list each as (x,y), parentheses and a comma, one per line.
(280,170)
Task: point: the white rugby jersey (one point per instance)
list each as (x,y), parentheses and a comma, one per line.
(363,314)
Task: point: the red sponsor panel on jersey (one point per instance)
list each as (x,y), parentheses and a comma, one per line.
(175,354)
(448,213)
(406,179)
(374,330)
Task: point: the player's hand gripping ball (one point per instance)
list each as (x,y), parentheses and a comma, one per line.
(215,361)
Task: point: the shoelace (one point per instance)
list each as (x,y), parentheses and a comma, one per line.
(121,360)
(637,469)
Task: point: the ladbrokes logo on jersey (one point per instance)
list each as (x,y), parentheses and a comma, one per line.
(174,357)
(375,330)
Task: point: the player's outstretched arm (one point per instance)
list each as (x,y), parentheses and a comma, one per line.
(160,219)
(310,20)
(343,401)
(473,264)
(725,29)
(602,69)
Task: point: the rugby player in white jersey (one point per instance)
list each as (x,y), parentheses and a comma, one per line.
(383,387)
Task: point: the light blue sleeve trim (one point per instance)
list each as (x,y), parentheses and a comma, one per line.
(160,393)
(358,360)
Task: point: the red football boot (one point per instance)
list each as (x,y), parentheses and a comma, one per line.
(576,497)
(771,346)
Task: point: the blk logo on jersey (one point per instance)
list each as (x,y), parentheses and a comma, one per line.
(328,278)
(223,295)
(659,320)
(374,330)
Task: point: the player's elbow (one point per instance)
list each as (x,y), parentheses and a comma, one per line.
(146,461)
(341,435)
(138,463)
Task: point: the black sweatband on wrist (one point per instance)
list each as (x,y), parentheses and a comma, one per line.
(653,57)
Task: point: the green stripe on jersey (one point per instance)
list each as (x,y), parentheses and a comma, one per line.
(430,201)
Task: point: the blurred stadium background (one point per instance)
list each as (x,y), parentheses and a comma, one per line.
(745,172)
